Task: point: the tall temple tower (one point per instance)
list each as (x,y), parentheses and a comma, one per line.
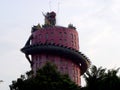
(56,44)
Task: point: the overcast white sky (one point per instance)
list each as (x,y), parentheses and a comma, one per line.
(97,22)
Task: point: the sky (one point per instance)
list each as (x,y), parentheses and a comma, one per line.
(97,22)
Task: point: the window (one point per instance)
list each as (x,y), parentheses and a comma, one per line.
(36,58)
(53,60)
(75,43)
(35,37)
(40,35)
(46,56)
(61,68)
(60,40)
(71,36)
(72,64)
(74,77)
(72,43)
(51,34)
(76,71)
(61,62)
(75,37)
(36,65)
(60,34)
(39,56)
(65,34)
(65,40)
(46,35)
(51,41)
(40,59)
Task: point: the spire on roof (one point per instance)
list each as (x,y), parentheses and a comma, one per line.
(50,18)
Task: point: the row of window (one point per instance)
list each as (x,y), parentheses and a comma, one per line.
(62,42)
(47,35)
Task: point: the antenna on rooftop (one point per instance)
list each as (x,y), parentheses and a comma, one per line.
(55,4)
(58,7)
(50,5)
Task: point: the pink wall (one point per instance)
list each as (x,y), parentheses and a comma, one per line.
(58,35)
(64,65)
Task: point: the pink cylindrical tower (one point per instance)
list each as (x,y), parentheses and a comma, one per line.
(58,45)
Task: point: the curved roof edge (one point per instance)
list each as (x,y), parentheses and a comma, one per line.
(74,55)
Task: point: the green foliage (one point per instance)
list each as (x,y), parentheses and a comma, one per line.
(102,79)
(111,80)
(47,78)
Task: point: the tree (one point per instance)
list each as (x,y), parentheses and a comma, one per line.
(102,79)
(111,80)
(47,78)
(93,77)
